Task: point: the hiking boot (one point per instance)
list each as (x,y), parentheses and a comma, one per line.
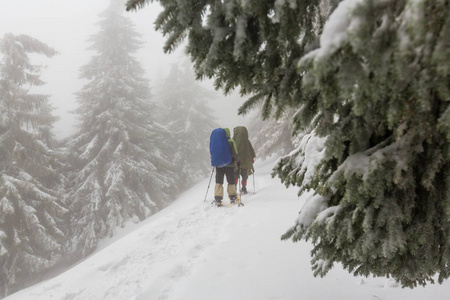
(218,201)
(233,199)
(244,190)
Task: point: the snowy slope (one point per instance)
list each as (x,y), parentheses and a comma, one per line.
(191,250)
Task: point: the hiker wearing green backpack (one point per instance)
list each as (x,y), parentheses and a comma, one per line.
(246,156)
(227,171)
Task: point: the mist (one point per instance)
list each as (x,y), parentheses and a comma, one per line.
(67,25)
(130,134)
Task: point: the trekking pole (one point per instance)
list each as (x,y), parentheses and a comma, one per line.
(239,181)
(209,184)
(240,192)
(254,190)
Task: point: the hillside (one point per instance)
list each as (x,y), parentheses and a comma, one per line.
(191,250)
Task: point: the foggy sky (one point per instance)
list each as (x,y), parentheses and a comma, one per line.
(66,25)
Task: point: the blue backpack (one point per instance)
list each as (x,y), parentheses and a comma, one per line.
(219,149)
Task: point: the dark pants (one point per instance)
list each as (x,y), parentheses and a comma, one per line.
(243,174)
(229,172)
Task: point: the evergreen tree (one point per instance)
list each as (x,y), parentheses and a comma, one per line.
(31,211)
(272,136)
(374,80)
(190,122)
(120,168)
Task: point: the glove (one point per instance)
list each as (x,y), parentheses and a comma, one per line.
(238,163)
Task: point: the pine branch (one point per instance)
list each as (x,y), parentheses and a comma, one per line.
(136,4)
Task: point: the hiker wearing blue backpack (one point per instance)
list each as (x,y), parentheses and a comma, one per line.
(224,157)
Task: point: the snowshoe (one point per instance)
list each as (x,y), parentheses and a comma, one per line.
(238,200)
(217,202)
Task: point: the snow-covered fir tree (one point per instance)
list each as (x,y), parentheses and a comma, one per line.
(190,122)
(272,136)
(373,80)
(31,210)
(119,158)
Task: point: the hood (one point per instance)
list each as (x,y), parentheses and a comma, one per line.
(241,132)
(227,131)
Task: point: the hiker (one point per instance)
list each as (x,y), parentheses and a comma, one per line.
(225,170)
(246,156)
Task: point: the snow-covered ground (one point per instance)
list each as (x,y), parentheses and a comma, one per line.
(191,250)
